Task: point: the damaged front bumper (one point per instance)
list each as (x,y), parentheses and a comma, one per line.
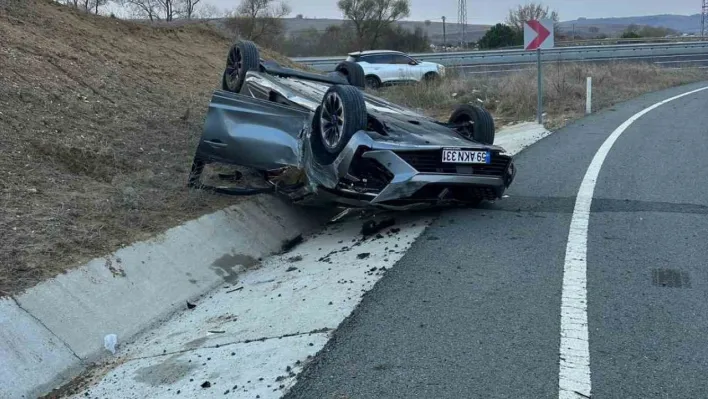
(389,175)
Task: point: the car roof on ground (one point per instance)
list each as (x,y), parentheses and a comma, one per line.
(370,52)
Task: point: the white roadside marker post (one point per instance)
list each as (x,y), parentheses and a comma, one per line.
(588,96)
(539,99)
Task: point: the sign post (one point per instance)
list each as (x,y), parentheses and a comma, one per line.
(538,35)
(539,98)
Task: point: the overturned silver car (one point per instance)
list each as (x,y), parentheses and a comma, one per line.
(320,139)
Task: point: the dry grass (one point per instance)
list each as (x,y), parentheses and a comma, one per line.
(512,98)
(99,119)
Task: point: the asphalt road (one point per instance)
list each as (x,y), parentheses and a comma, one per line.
(473,309)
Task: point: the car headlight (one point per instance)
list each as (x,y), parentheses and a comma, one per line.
(441,69)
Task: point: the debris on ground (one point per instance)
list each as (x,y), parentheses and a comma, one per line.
(372,227)
(363,255)
(291,269)
(191,305)
(288,245)
(295,259)
(206,384)
(109,342)
(235,289)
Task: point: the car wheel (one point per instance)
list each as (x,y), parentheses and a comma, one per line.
(353,72)
(243,57)
(474,122)
(430,77)
(341,114)
(373,82)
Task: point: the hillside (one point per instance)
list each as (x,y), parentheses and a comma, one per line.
(434,30)
(99,119)
(610,26)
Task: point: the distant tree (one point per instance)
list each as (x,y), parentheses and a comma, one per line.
(656,31)
(500,35)
(371,17)
(91,6)
(299,16)
(149,9)
(427,22)
(188,7)
(594,29)
(97,4)
(341,39)
(207,11)
(531,11)
(396,37)
(166,10)
(260,21)
(630,35)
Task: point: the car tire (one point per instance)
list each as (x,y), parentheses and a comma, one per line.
(430,77)
(243,56)
(341,114)
(481,128)
(373,82)
(353,72)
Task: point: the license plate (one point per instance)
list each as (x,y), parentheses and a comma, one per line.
(464,156)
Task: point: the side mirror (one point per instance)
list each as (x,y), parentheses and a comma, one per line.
(413,62)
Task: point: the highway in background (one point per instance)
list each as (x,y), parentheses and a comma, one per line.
(669,55)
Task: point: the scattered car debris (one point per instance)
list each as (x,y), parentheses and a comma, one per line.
(294,259)
(363,255)
(109,342)
(216,331)
(372,227)
(288,245)
(206,384)
(235,289)
(291,269)
(191,305)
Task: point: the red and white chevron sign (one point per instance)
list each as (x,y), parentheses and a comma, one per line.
(538,34)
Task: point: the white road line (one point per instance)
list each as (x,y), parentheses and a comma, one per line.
(574,373)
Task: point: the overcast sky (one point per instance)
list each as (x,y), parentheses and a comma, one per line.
(493,11)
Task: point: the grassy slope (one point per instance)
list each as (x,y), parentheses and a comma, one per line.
(512,98)
(99,119)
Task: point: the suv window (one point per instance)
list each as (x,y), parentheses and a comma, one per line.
(400,59)
(377,59)
(353,58)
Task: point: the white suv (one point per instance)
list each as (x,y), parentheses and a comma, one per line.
(388,67)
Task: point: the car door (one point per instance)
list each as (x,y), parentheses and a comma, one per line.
(381,66)
(404,70)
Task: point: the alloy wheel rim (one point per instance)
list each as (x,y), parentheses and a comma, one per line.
(332,120)
(235,65)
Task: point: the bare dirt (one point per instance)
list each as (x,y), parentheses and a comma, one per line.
(99,120)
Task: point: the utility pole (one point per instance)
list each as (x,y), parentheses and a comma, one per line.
(444,33)
(704,18)
(573,33)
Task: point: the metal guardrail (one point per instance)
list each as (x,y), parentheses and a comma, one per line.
(499,57)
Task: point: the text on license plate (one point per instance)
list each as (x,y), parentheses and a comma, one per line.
(465,156)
